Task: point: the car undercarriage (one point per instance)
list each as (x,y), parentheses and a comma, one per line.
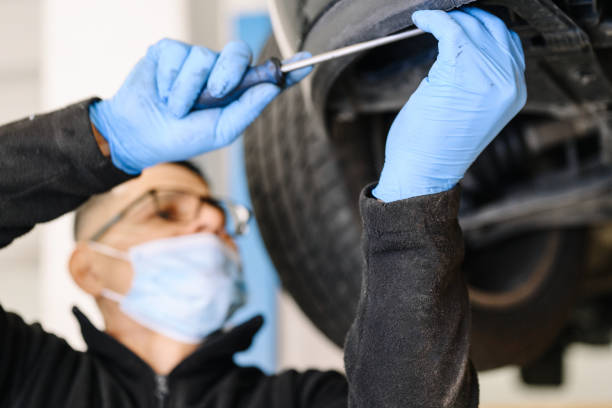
(536,206)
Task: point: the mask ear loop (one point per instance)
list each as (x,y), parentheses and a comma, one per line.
(108,251)
(112,295)
(113,253)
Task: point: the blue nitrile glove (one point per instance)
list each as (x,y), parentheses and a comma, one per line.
(149,121)
(476,86)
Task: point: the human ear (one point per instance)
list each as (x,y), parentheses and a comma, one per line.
(83,271)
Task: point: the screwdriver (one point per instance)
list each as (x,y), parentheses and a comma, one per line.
(273,71)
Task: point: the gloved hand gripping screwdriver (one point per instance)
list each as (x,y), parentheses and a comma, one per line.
(273,71)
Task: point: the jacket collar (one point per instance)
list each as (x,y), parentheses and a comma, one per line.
(219,346)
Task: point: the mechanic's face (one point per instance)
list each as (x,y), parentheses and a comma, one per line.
(143,222)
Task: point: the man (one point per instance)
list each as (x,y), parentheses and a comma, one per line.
(409,343)
(167,200)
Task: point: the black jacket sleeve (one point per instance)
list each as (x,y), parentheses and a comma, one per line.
(49,165)
(409,344)
(308,389)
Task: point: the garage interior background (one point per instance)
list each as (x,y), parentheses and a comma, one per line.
(55,52)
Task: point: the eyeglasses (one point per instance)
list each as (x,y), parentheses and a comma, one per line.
(182,207)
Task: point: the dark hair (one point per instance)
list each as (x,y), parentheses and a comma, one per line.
(78,218)
(190,166)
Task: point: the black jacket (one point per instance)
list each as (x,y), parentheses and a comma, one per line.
(408,346)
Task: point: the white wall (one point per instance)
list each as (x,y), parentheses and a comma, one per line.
(19,96)
(88,48)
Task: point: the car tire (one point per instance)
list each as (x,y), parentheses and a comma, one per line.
(304,186)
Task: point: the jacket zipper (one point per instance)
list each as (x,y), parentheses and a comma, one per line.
(161,390)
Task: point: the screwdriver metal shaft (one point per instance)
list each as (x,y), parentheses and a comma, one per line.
(351,49)
(273,71)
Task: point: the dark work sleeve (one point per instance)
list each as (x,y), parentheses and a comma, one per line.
(49,165)
(409,344)
(26,351)
(308,389)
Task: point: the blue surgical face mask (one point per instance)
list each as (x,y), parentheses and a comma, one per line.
(183,287)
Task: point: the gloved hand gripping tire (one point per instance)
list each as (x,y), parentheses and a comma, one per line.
(476,86)
(149,120)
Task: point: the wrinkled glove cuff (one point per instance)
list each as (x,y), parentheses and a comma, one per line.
(390,195)
(99,113)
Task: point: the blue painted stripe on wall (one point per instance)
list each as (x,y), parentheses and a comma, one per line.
(262,280)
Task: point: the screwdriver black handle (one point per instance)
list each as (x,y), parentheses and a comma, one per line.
(267,72)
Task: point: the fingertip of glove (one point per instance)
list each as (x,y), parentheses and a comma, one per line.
(176,105)
(297,76)
(216,89)
(423,18)
(155,50)
(177,110)
(303,55)
(218,84)
(416,17)
(421,15)
(239,48)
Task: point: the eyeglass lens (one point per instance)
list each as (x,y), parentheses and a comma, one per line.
(185,207)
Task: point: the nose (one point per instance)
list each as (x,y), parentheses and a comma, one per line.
(209,220)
